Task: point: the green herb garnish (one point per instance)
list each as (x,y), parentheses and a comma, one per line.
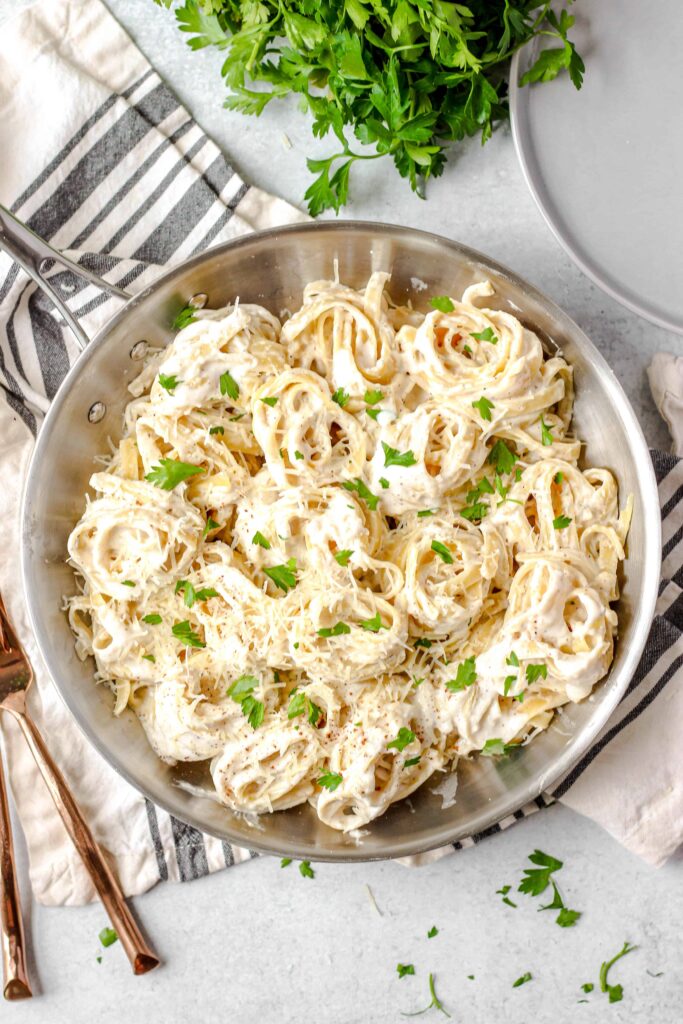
(341,397)
(502,458)
(153,619)
(383,482)
(209,525)
(464,677)
(442,551)
(503,891)
(270,401)
(546,436)
(496,747)
(229,385)
(615,992)
(485,335)
(403,739)
(108,936)
(330,780)
(534,672)
(283,576)
(184,318)
(432,932)
(337,630)
(405,969)
(374,624)
(342,557)
(190,595)
(305,869)
(435,1003)
(242,692)
(168,473)
(216,430)
(561,522)
(523,980)
(183,631)
(393,457)
(285,862)
(484,406)
(262,541)
(373,397)
(442,303)
(363,492)
(169,383)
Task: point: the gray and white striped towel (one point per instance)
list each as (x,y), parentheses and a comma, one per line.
(99,158)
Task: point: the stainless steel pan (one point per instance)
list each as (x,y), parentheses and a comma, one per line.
(271,268)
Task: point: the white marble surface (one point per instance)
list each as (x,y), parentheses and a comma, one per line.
(258,944)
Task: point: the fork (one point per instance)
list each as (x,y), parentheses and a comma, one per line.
(16,983)
(16,676)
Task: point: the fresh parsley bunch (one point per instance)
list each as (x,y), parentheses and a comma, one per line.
(405,78)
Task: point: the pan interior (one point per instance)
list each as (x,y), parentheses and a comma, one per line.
(271,269)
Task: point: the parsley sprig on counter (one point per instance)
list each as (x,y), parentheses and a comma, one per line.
(402,79)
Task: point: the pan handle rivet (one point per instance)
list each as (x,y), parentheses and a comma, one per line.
(139,350)
(199,300)
(96,412)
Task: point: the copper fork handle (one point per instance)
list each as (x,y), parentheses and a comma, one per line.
(16,983)
(142,958)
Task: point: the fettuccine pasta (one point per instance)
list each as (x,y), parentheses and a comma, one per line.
(334,555)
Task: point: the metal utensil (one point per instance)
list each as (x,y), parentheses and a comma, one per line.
(271,268)
(15,975)
(16,676)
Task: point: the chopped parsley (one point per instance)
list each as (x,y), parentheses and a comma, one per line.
(405,969)
(404,738)
(373,397)
(190,595)
(341,397)
(108,936)
(503,891)
(283,576)
(512,659)
(183,631)
(330,780)
(262,541)
(502,458)
(216,430)
(483,406)
(423,641)
(615,992)
(128,583)
(184,318)
(209,525)
(464,677)
(285,862)
(153,619)
(298,455)
(424,512)
(546,436)
(561,522)
(432,932)
(383,482)
(242,692)
(442,551)
(485,335)
(229,385)
(301,704)
(373,413)
(149,657)
(558,478)
(523,980)
(373,625)
(342,557)
(169,383)
(442,303)
(476,511)
(496,747)
(534,672)
(393,457)
(411,761)
(363,492)
(587,986)
(337,630)
(270,401)
(537,879)
(305,869)
(168,473)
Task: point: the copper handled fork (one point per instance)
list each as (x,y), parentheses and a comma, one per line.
(16,676)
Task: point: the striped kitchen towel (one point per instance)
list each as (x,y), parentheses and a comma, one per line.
(100,159)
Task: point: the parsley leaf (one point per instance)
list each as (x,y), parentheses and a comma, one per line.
(342,557)
(190,595)
(503,891)
(538,879)
(423,641)
(435,1003)
(384,483)
(169,383)
(283,576)
(424,512)
(442,551)
(534,672)
(242,691)
(209,525)
(561,522)
(558,478)
(502,458)
(305,869)
(337,630)
(330,780)
(216,430)
(442,303)
(153,619)
(374,624)
(183,631)
(363,491)
(184,318)
(496,747)
(229,385)
(615,992)
(410,761)
(262,541)
(301,704)
(476,511)
(127,583)
(546,436)
(464,677)
(373,397)
(108,936)
(149,657)
(393,457)
(403,739)
(285,862)
(341,397)
(484,406)
(271,401)
(405,969)
(432,932)
(168,473)
(485,335)
(523,980)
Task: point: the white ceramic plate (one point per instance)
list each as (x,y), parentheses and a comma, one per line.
(605,164)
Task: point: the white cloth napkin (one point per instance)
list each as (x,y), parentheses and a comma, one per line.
(99,158)
(665,374)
